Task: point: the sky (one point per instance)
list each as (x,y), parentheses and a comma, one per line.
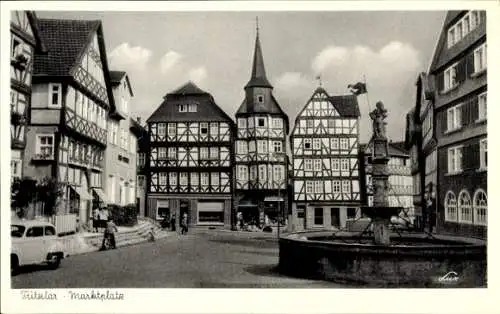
(161,51)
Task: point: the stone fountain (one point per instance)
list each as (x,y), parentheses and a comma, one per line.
(386,259)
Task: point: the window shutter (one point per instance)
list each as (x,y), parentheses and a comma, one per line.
(467,156)
(461,71)
(443,160)
(440,81)
(465,108)
(474,109)
(474,156)
(469,67)
(444,120)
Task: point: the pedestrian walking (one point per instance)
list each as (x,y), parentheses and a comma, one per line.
(172,222)
(184,224)
(109,233)
(95,220)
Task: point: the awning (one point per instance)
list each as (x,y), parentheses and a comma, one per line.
(273,199)
(101,195)
(84,195)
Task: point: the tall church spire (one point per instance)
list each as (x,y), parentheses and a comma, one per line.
(258,78)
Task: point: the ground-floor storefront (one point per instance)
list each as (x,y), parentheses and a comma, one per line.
(333,216)
(261,209)
(201,209)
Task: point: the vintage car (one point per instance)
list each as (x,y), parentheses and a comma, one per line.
(34,242)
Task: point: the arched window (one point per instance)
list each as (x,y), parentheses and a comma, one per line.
(480,207)
(465,207)
(450,207)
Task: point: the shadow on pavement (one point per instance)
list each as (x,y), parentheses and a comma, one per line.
(248,242)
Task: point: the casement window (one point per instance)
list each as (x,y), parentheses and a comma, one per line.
(55,96)
(427,125)
(482,106)
(277,123)
(193,107)
(141,160)
(308,165)
(172,129)
(214,153)
(317,164)
(480,202)
(261,122)
(335,164)
(454,118)
(480,61)
(344,143)
(462,27)
(204,128)
(455,159)
(430,162)
(85,107)
(259,99)
(334,142)
(140,181)
(204,178)
(318,187)
(336,186)
(483,154)
(172,153)
(183,178)
(163,178)
(278,173)
(309,187)
(242,123)
(162,153)
(45,145)
(251,146)
(318,216)
(214,129)
(464,207)
(262,147)
(450,207)
(195,179)
(253,173)
(16,166)
(344,164)
(242,147)
(262,173)
(161,129)
(242,173)
(316,143)
(307,143)
(172,178)
(250,122)
(183,107)
(277,146)
(346,186)
(203,153)
(450,77)
(215,179)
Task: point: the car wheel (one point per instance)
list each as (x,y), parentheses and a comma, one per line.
(14,265)
(54,261)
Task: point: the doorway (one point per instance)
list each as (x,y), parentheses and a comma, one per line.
(335,217)
(184,209)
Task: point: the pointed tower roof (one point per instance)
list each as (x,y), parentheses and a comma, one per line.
(258,78)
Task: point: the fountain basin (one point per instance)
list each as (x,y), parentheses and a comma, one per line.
(412,260)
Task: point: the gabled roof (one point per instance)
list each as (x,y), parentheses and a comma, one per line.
(64,40)
(346,105)
(444,55)
(116,77)
(207,109)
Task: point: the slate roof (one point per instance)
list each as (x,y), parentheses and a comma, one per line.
(64,41)
(258,78)
(207,109)
(346,105)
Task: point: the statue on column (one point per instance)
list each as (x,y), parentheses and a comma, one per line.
(378,116)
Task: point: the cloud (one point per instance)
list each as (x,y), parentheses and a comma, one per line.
(291,80)
(126,57)
(169,60)
(198,74)
(329,56)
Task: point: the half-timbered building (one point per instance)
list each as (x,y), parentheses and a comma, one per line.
(120,157)
(324,143)
(458,68)
(142,168)
(25,39)
(400,193)
(189,159)
(260,151)
(71,97)
(413,143)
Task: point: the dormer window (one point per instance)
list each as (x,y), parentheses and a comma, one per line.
(183,108)
(463,27)
(193,107)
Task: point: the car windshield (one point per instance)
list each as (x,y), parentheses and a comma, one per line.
(17,231)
